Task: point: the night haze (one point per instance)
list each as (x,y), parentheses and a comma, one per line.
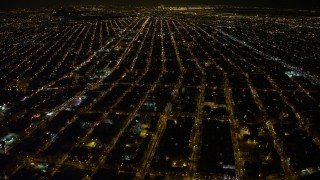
(297,4)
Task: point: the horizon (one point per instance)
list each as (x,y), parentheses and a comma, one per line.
(280,4)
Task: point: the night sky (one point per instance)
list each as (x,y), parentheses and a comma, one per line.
(300,4)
